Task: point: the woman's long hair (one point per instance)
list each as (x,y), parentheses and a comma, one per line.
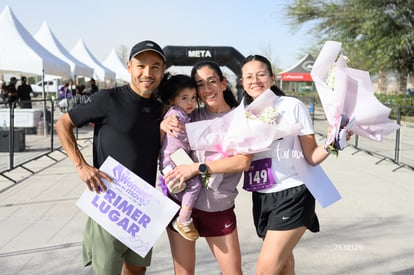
(227,93)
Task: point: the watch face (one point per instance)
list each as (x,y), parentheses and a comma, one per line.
(202,168)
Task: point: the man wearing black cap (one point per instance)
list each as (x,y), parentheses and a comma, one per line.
(126,127)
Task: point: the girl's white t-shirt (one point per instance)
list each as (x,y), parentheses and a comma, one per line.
(290,110)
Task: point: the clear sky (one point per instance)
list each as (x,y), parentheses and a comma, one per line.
(251,27)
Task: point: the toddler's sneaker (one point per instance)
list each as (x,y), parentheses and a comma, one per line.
(187,230)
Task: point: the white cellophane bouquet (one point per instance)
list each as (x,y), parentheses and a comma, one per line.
(348,99)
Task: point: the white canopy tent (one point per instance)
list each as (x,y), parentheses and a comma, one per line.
(82,53)
(115,64)
(48,40)
(21,53)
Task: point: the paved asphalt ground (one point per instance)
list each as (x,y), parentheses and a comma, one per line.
(369,231)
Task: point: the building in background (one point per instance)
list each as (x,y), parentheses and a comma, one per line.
(298,78)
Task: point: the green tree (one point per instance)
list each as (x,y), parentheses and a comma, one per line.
(377,36)
(267,52)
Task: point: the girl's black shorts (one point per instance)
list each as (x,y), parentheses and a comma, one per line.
(284,210)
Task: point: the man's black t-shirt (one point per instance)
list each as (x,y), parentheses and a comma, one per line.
(23,91)
(126,128)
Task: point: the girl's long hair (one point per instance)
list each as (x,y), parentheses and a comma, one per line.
(260,58)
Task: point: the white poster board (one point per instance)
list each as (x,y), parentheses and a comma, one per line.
(131,210)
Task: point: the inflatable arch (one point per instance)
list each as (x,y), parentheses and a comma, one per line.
(190,55)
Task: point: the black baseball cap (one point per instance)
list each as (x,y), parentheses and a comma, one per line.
(144,46)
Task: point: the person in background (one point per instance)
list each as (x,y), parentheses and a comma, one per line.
(65,95)
(93,87)
(179,93)
(213,213)
(72,86)
(12,92)
(81,97)
(64,91)
(130,116)
(23,94)
(284,211)
(73,100)
(3,91)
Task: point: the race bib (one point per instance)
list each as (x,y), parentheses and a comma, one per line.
(259,176)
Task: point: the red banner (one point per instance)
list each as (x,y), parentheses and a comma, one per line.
(296,77)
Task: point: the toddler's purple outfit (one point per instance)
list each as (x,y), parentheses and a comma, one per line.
(171,144)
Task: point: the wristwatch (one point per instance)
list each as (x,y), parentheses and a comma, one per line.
(202,168)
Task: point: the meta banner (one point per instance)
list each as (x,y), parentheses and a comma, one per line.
(199,53)
(132,210)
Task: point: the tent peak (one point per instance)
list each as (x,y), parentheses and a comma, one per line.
(23,53)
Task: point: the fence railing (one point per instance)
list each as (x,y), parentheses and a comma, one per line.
(33,139)
(40,140)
